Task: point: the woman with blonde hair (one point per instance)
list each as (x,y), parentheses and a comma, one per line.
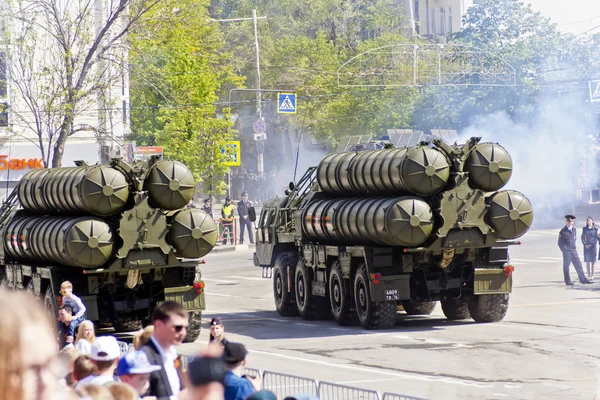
(85,337)
(30,366)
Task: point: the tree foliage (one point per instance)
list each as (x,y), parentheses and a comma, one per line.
(178,71)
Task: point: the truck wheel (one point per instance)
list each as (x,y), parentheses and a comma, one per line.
(127,325)
(371,314)
(282,292)
(340,297)
(194,327)
(309,306)
(489,307)
(455,309)
(419,307)
(50,303)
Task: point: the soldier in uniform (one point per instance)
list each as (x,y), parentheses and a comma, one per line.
(567,242)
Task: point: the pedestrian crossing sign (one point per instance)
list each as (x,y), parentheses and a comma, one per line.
(594,90)
(286,103)
(230,154)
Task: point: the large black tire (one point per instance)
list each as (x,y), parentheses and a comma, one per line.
(340,297)
(371,314)
(127,325)
(455,309)
(50,303)
(282,292)
(309,306)
(488,307)
(419,307)
(194,326)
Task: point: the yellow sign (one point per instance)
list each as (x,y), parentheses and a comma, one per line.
(231,154)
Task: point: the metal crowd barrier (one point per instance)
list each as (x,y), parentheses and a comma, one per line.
(229,236)
(124,348)
(285,385)
(331,391)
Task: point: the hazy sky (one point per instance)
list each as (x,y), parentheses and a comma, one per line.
(573,16)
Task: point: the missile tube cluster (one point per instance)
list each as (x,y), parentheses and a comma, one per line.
(65,217)
(353,209)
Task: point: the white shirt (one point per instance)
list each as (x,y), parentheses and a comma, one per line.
(168,358)
(95,380)
(84,347)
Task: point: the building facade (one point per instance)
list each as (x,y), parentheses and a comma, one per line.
(436,17)
(101,119)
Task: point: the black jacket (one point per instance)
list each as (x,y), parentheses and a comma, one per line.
(589,236)
(159,382)
(567,240)
(242,208)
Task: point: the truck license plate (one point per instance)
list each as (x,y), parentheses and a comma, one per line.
(391,294)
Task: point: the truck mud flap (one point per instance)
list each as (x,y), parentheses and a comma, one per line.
(389,288)
(491,281)
(187,296)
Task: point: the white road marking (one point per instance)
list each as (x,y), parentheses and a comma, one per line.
(340,329)
(373,370)
(217,280)
(303,324)
(518,260)
(237,297)
(248,278)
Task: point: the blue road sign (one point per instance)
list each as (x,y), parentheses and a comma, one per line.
(286,103)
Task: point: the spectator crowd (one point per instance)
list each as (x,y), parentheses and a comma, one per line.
(45,361)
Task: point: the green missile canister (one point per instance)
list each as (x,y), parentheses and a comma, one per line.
(489,166)
(399,221)
(421,171)
(170,185)
(510,213)
(98,190)
(78,242)
(193,233)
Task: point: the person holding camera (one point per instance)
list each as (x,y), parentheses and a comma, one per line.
(238,387)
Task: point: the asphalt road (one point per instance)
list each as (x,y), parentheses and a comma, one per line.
(547,347)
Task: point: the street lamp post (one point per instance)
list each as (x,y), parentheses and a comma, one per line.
(259,144)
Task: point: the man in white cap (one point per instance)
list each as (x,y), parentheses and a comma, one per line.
(567,242)
(105,355)
(134,369)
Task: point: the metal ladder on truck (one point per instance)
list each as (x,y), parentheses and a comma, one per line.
(7,210)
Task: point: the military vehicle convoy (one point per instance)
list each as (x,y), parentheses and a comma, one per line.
(121,233)
(367,231)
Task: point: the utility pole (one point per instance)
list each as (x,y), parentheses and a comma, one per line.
(259,144)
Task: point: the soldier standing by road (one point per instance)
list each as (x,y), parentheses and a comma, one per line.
(245,221)
(567,242)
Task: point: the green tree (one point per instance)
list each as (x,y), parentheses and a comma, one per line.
(178,71)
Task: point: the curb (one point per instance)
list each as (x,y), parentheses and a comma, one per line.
(229,248)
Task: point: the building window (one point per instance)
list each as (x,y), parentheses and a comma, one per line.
(416,15)
(3,92)
(432,30)
(450,20)
(442,21)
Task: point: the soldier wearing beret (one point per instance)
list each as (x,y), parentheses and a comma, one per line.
(567,242)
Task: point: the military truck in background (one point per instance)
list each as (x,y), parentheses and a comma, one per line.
(367,231)
(121,233)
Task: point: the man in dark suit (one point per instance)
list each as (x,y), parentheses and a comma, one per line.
(244,216)
(170,322)
(567,242)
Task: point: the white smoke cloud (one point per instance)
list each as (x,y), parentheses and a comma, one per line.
(550,155)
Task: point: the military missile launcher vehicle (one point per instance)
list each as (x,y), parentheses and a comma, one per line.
(120,233)
(367,231)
